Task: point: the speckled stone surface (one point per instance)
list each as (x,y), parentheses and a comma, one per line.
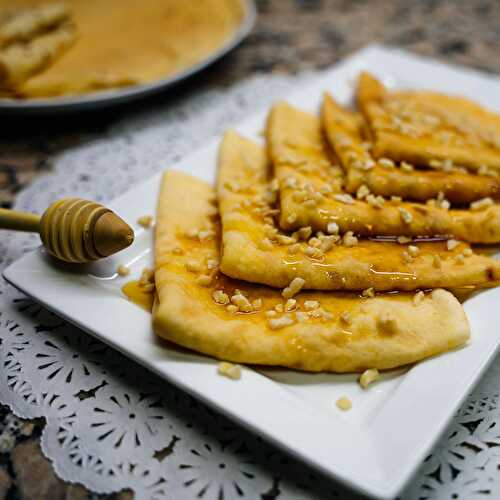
(290,36)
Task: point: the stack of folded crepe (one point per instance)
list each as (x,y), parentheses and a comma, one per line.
(338,245)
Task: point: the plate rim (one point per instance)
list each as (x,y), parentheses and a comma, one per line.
(113,96)
(371,487)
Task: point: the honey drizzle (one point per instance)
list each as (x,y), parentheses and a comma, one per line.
(136,294)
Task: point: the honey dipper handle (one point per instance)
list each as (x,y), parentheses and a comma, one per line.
(19,221)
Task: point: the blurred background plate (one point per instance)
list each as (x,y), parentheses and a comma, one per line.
(104,98)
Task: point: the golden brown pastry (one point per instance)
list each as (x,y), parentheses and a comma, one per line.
(343,129)
(310,192)
(198,308)
(428,128)
(254,249)
(20,61)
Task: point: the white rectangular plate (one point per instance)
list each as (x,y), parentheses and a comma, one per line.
(376,446)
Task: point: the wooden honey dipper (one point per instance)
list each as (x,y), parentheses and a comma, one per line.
(74,230)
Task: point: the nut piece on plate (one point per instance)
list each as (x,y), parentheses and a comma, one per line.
(146,221)
(368,376)
(344,403)
(229,370)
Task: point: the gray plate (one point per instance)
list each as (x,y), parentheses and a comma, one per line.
(111,97)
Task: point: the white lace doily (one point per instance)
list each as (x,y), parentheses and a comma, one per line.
(112,425)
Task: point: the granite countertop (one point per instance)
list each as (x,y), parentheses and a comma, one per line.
(290,36)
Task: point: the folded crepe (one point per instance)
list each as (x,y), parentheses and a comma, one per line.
(308,197)
(344,130)
(256,250)
(199,308)
(429,128)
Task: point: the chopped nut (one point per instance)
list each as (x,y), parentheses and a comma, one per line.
(145,221)
(445,204)
(452,244)
(362,192)
(484,170)
(349,240)
(447,165)
(317,313)
(346,318)
(147,277)
(220,297)
(368,376)
(418,298)
(123,270)
(231,308)
(301,317)
(405,215)
(368,293)
(386,162)
(293,249)
(375,201)
(279,308)
(344,198)
(481,204)
(204,280)
(311,304)
(328,242)
(290,182)
(467,252)
(293,288)
(314,242)
(344,403)
(413,250)
(332,228)
(313,252)
(271,313)
(406,167)
(229,370)
(402,240)
(284,240)
(397,199)
(460,259)
(241,302)
(278,323)
(291,219)
(290,305)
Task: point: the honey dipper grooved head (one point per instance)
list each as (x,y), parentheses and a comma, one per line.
(76,230)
